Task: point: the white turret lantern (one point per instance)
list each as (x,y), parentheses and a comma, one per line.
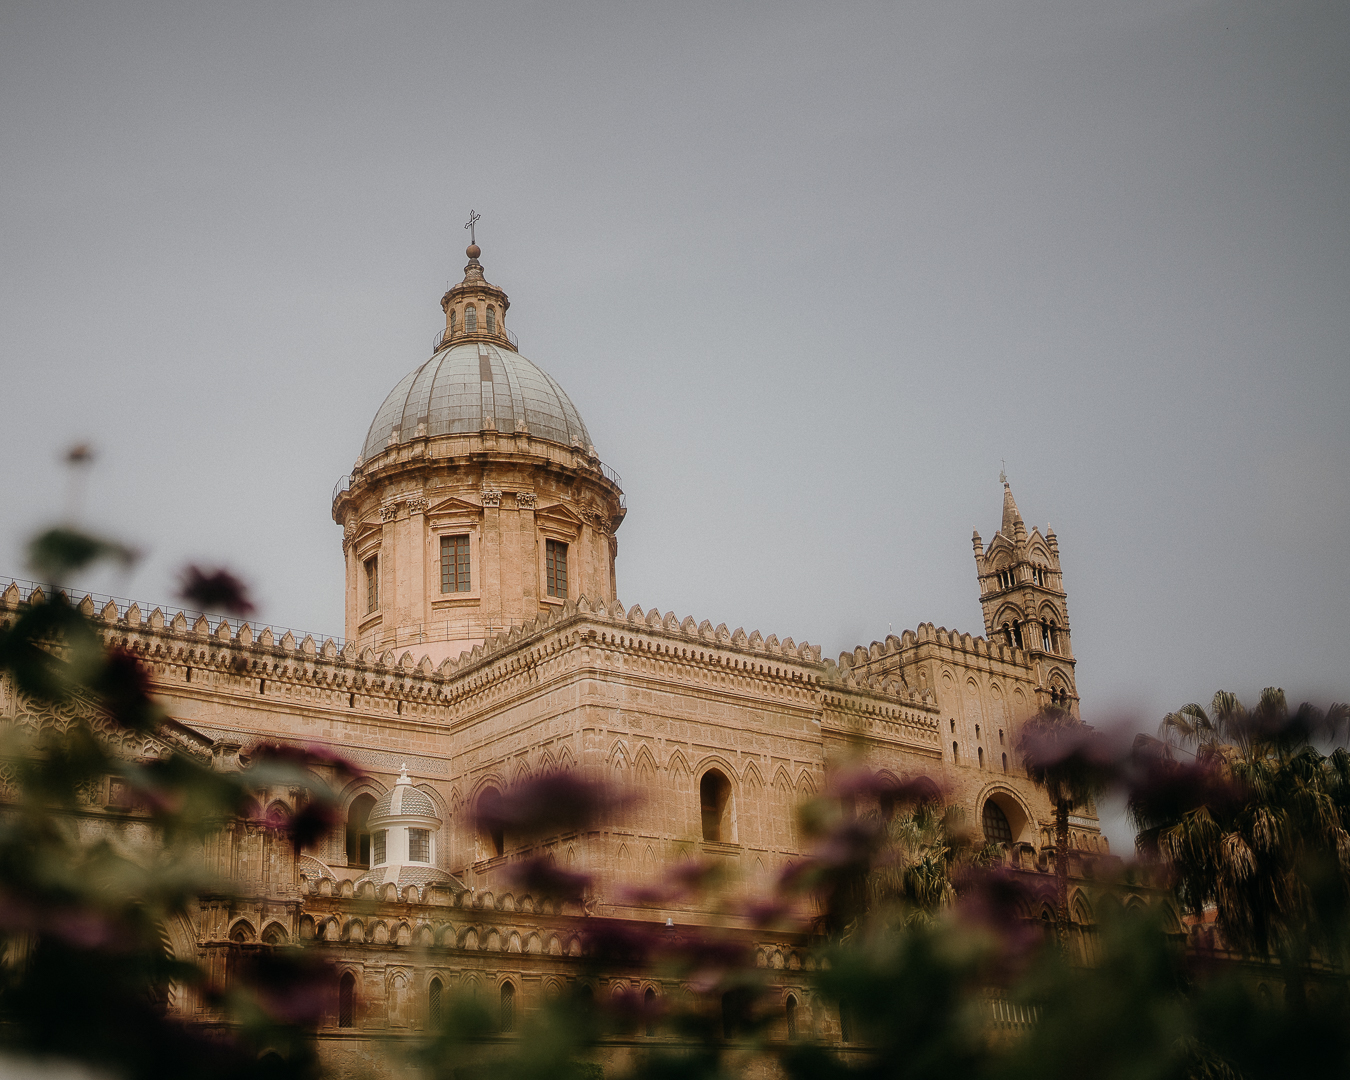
(404,834)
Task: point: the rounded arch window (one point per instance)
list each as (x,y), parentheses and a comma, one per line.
(347,1001)
(791,1009)
(508,997)
(470,319)
(435,1002)
(451,323)
(491,834)
(997,830)
(491,319)
(714,796)
(649,1010)
(358,833)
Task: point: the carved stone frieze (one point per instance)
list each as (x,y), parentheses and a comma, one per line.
(60,716)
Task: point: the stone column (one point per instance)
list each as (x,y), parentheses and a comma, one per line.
(527,554)
(492,557)
(352,570)
(419,557)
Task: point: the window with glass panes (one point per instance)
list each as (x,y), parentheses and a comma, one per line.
(555,566)
(419,845)
(378,843)
(372,583)
(454,564)
(995,821)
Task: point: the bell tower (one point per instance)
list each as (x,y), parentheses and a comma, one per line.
(1025,606)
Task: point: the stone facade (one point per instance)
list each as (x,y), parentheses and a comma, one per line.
(466,690)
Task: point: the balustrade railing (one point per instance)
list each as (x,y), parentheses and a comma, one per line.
(445,336)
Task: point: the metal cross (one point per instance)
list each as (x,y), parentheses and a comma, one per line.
(473,219)
(1003,475)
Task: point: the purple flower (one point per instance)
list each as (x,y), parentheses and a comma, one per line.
(215,590)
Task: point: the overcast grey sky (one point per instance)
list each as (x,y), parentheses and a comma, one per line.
(809,272)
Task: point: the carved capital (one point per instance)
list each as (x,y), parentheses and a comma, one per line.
(492,497)
(417,505)
(525,500)
(388,513)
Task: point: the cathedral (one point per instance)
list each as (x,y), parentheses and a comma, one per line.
(486,643)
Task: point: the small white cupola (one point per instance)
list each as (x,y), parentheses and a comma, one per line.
(404,836)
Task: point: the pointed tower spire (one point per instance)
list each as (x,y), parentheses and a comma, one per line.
(1012,517)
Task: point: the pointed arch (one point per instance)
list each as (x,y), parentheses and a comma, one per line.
(677,765)
(645,763)
(751,776)
(618,756)
(275,934)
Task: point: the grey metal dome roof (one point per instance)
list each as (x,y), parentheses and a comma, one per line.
(471,386)
(403,799)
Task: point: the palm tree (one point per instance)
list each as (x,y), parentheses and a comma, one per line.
(1063,756)
(926,851)
(1258,824)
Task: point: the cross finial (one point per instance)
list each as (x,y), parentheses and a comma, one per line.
(473,220)
(1003,473)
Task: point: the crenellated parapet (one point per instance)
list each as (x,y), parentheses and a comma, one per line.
(227,656)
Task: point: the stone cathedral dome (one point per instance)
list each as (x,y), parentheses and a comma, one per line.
(476,380)
(472,386)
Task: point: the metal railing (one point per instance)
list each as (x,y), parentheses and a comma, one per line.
(1005,1015)
(344,484)
(443,337)
(171,611)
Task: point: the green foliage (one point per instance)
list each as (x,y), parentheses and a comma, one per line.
(87,896)
(1258,826)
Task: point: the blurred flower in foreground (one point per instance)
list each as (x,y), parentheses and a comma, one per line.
(552,803)
(215,590)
